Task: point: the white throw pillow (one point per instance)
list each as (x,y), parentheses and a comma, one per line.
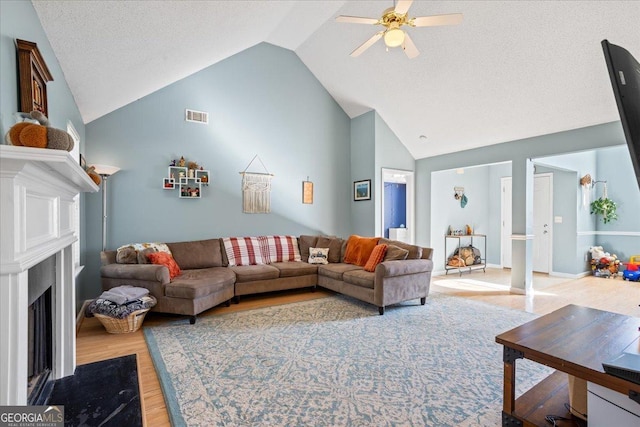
(318,255)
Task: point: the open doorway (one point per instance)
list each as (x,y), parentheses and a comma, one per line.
(398,205)
(542,222)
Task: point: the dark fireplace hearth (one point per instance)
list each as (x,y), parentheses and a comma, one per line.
(39,329)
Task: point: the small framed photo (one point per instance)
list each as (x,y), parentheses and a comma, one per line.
(362,190)
(83,162)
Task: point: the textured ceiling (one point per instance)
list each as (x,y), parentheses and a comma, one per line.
(511,70)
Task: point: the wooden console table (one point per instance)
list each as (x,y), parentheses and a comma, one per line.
(573,340)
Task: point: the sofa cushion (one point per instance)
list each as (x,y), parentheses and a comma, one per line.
(295,269)
(334,244)
(249,273)
(359,249)
(395,253)
(360,277)
(318,255)
(415,252)
(197,283)
(243,251)
(197,254)
(377,255)
(335,271)
(304,243)
(163,258)
(279,249)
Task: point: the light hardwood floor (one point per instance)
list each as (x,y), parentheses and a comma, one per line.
(94,343)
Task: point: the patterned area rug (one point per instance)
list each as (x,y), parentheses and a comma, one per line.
(335,362)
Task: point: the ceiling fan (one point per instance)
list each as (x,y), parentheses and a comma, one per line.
(393,19)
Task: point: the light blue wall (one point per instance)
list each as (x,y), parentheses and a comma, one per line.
(363,141)
(18,20)
(518,152)
(582,163)
(389,153)
(621,237)
(261,101)
(448,211)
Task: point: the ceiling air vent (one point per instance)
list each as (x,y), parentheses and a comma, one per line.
(197,116)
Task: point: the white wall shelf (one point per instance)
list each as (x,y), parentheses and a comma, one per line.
(189,182)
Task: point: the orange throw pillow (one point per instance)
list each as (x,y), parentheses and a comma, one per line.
(359,249)
(377,255)
(163,258)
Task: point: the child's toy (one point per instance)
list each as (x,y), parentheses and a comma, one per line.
(604,264)
(632,271)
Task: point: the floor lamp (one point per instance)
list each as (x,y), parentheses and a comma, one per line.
(105,171)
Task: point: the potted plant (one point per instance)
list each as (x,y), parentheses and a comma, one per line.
(606,208)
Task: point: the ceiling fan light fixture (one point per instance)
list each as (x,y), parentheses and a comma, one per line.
(393,37)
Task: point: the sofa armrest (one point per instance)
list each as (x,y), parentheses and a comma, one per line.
(403,267)
(147,272)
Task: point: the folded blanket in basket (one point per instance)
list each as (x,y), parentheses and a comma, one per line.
(119,311)
(124,294)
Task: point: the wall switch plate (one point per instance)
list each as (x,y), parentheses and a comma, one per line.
(557,219)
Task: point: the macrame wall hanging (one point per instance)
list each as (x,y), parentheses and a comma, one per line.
(256,189)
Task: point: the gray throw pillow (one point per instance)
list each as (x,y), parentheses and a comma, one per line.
(334,244)
(395,253)
(127,255)
(142,255)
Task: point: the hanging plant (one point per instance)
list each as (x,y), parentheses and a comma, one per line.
(606,208)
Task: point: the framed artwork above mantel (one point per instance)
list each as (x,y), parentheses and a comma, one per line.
(33,75)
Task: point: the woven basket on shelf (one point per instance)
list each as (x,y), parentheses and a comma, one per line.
(131,323)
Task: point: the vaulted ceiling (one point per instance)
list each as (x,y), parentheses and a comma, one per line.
(510,70)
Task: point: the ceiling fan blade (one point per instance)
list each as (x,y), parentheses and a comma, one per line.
(356,20)
(403,6)
(409,47)
(435,20)
(366,45)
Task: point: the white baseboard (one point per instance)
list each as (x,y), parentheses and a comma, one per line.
(570,276)
(80,316)
(494,266)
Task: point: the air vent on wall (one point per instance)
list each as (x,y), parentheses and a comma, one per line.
(197,116)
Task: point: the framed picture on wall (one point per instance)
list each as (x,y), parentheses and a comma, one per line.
(307,192)
(362,190)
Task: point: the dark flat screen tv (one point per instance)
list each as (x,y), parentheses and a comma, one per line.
(624,72)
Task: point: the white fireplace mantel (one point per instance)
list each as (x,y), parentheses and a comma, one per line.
(37,187)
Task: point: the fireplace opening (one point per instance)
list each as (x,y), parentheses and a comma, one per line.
(39,330)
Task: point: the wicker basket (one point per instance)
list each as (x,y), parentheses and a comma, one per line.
(131,323)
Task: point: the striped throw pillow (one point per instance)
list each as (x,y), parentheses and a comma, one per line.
(279,249)
(243,251)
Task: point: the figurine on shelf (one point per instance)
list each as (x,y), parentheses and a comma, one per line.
(182,161)
(173,162)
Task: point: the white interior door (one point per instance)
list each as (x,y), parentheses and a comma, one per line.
(542,217)
(505,232)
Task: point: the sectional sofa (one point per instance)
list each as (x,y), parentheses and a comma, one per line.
(214,271)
